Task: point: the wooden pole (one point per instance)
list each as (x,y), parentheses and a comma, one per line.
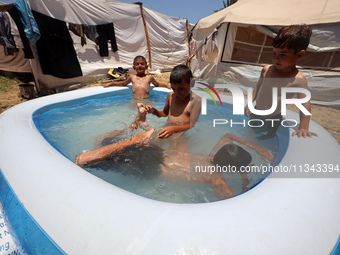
(146,33)
(188,39)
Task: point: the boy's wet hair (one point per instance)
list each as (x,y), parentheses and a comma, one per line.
(294,37)
(233,155)
(179,73)
(139,57)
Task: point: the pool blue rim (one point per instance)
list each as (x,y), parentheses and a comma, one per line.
(32,238)
(336,250)
(20,218)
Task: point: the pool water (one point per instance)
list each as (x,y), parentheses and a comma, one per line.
(74,126)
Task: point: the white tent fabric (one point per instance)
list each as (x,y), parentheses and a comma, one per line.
(168,38)
(243,43)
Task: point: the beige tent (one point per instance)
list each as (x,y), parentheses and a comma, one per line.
(236,42)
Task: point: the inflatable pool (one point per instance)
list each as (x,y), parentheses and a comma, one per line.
(55,207)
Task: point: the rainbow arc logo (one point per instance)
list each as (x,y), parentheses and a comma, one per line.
(208,92)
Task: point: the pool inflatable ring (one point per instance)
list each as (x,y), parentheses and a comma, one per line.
(58,208)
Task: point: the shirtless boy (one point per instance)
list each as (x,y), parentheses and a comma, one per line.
(289,46)
(181,107)
(140,81)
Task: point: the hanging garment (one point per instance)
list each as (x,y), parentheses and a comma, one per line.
(55,48)
(211,48)
(15,33)
(27,19)
(78,30)
(6,38)
(192,47)
(106,32)
(91,32)
(15,14)
(100,34)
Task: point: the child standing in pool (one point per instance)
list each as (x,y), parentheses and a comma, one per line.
(289,46)
(140,81)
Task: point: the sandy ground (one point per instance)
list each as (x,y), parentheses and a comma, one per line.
(327,117)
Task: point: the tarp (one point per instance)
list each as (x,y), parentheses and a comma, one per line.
(167,46)
(275,12)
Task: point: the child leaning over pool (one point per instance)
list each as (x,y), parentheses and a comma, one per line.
(289,46)
(140,81)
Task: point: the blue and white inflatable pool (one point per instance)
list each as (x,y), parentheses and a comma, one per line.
(52,206)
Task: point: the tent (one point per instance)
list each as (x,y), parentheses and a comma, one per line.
(138,30)
(235,43)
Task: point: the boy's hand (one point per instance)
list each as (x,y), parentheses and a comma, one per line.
(150,109)
(166,132)
(106,85)
(266,154)
(304,133)
(168,86)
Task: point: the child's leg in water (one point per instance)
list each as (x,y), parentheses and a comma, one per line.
(96,155)
(140,120)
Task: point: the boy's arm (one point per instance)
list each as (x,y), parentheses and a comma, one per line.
(118,83)
(304,119)
(159,84)
(228,138)
(154,111)
(170,130)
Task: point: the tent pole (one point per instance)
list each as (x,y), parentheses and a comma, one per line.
(146,33)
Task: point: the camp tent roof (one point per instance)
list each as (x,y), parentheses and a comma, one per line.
(278,12)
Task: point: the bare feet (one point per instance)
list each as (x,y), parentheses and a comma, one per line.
(140,120)
(145,136)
